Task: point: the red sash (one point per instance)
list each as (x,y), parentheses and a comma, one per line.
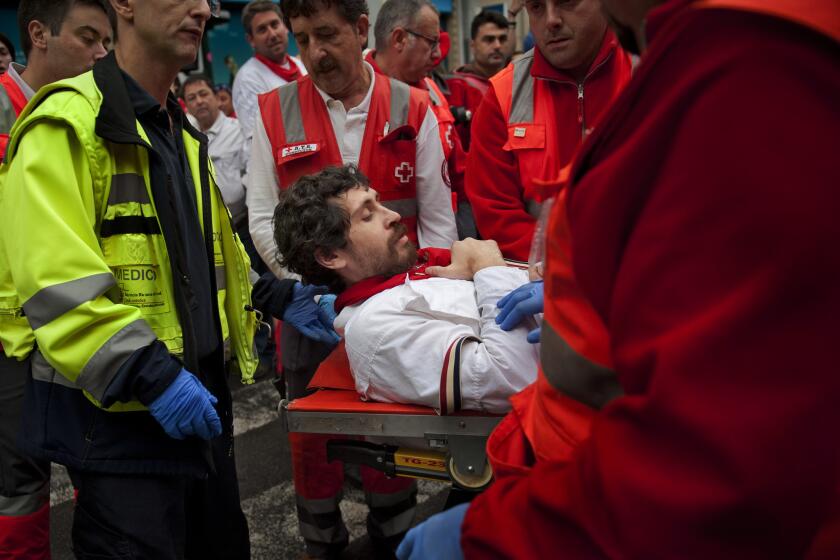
(289,74)
(360,291)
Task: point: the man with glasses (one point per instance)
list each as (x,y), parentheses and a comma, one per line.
(407,34)
(132,298)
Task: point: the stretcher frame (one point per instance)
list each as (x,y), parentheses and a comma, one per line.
(454,444)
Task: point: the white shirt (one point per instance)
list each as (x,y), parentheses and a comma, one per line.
(226,148)
(252,79)
(397,341)
(436,220)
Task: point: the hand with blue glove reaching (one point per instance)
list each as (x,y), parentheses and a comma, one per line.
(185,408)
(311,318)
(525,301)
(438,537)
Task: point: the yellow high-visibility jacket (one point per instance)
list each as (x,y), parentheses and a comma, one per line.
(85,276)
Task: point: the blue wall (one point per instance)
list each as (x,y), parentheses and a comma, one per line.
(229,39)
(8,26)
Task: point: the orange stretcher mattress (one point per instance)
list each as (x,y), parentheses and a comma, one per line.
(336,392)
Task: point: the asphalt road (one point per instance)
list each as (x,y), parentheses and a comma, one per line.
(265,480)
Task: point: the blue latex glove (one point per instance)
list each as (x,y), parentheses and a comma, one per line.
(438,537)
(304,314)
(326,310)
(186,409)
(524,301)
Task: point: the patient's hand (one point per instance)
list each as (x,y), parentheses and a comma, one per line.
(468,257)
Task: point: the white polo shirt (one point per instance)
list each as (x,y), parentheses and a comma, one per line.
(252,79)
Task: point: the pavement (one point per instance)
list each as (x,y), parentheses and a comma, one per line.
(265,481)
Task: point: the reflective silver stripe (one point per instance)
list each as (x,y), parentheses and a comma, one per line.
(400,523)
(290,110)
(405,207)
(105,363)
(434,96)
(400,97)
(572,374)
(522,95)
(320,520)
(226,346)
(318,507)
(333,534)
(128,187)
(43,371)
(7,113)
(27,504)
(533,207)
(221,280)
(376,500)
(54,301)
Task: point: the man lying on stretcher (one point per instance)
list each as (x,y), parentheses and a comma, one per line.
(419,326)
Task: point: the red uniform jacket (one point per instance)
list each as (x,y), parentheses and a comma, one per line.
(703,215)
(517,144)
(466,89)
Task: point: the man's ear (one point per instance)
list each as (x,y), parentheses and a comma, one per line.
(38,33)
(250,39)
(399,39)
(124,9)
(330,259)
(363,25)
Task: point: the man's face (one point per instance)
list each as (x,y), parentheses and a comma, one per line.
(331,49)
(225,101)
(488,46)
(421,46)
(202,103)
(268,36)
(5,58)
(84,38)
(171,29)
(376,242)
(567,32)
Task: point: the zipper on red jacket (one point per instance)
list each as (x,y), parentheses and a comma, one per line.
(581,113)
(581,117)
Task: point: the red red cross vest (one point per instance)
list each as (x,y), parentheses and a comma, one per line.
(17,98)
(303,142)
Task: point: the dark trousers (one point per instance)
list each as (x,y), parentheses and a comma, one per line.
(19,473)
(165,517)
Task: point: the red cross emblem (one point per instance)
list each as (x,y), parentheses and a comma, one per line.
(404,172)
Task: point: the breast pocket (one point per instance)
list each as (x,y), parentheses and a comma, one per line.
(134,261)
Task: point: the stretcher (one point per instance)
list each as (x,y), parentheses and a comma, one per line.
(448,448)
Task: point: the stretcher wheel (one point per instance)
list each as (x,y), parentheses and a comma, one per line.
(469,481)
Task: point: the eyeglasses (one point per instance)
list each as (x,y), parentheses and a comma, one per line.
(432,41)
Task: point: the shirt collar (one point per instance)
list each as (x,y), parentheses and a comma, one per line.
(216,127)
(364,105)
(143,102)
(14,71)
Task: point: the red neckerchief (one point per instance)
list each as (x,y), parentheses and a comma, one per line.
(289,74)
(360,291)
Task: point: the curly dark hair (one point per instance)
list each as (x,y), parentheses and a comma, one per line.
(350,10)
(307,220)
